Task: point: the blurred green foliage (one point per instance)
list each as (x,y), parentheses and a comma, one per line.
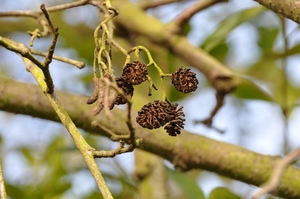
(222,193)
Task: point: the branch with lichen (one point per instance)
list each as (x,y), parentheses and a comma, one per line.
(255,169)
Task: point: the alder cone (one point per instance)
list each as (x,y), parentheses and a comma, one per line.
(154,115)
(135,73)
(184,80)
(174,127)
(159,113)
(126,88)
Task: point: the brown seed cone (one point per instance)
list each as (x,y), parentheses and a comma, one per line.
(174,127)
(158,113)
(154,115)
(135,73)
(126,88)
(184,80)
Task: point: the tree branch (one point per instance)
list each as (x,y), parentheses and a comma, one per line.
(189,151)
(220,97)
(187,14)
(150,174)
(287,8)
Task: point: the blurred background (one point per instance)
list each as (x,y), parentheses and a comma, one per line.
(39,158)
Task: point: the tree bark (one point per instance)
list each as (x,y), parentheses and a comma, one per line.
(287,8)
(188,151)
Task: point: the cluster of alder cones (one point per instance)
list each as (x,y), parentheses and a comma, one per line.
(154,114)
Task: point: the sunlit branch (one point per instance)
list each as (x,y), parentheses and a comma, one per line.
(19,48)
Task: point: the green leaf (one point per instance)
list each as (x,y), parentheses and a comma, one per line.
(229,24)
(94,195)
(268,71)
(13,191)
(28,155)
(267,38)
(294,50)
(186,29)
(249,90)
(174,95)
(220,52)
(188,186)
(222,193)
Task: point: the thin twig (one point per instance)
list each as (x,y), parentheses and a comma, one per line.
(55,33)
(78,64)
(22,49)
(284,106)
(34,13)
(2,183)
(185,15)
(48,59)
(208,121)
(112,153)
(278,170)
(130,126)
(113,136)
